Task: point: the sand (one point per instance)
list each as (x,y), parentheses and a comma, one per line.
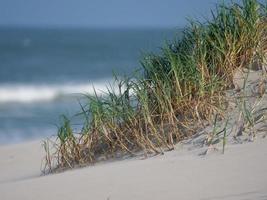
(192,171)
(240,173)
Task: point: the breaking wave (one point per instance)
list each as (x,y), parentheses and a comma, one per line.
(27,93)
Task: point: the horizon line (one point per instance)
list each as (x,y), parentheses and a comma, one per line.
(70,26)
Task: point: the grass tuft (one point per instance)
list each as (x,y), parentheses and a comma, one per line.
(176,91)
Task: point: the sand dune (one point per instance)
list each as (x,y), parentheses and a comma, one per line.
(188,172)
(240,173)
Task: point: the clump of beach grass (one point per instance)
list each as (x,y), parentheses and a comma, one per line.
(176,91)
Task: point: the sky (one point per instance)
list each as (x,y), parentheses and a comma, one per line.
(102,13)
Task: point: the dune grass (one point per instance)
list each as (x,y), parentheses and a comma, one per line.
(176,92)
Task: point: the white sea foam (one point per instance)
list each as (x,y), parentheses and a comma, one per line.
(27,93)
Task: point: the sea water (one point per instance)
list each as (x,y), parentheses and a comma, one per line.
(45,72)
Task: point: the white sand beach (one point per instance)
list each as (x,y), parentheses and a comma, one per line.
(240,173)
(192,171)
(189,122)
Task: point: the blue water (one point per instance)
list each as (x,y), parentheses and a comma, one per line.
(44,71)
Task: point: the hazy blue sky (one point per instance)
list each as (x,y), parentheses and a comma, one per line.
(101,13)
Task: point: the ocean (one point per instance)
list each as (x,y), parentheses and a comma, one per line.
(45,72)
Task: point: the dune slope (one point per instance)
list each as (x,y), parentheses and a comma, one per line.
(240,173)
